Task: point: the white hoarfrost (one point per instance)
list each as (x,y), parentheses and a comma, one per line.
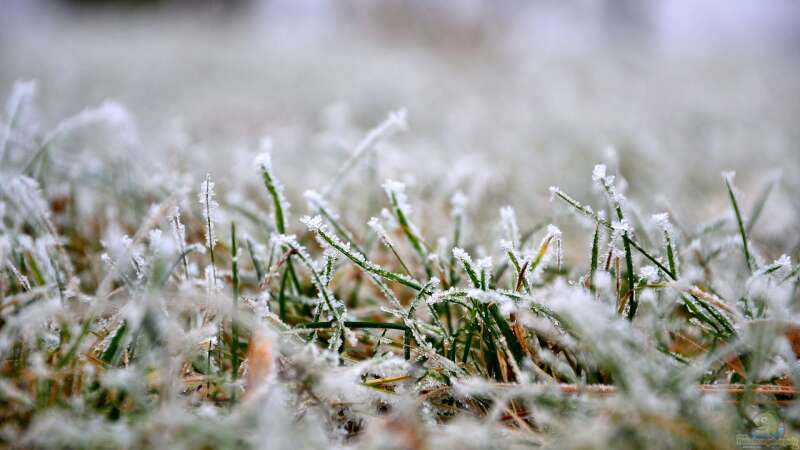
(508,218)
(209,208)
(396,192)
(376,226)
(313,223)
(508,346)
(263,160)
(599,172)
(462,255)
(458,202)
(316,202)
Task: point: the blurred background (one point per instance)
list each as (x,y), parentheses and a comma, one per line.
(658,22)
(504,97)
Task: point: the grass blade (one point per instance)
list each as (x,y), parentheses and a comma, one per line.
(595,253)
(235,305)
(728,176)
(760,203)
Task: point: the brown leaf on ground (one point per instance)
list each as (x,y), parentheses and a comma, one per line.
(260,361)
(792,333)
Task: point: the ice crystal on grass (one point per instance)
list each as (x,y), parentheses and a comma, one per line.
(338,331)
(662,220)
(395,120)
(316,202)
(599,173)
(280,206)
(19,100)
(314,223)
(376,226)
(459,204)
(209,209)
(27,195)
(22,279)
(462,255)
(396,191)
(179,235)
(649,273)
(509,220)
(263,161)
(554,233)
(109,112)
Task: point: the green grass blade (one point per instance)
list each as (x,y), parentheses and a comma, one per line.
(111,353)
(73,349)
(269,183)
(466,262)
(282,296)
(595,253)
(585,210)
(760,203)
(416,241)
(634,303)
(505,329)
(257,265)
(235,305)
(742,231)
(364,263)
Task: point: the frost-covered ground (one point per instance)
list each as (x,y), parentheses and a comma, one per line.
(490,243)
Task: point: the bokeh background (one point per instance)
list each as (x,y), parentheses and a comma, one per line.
(504,98)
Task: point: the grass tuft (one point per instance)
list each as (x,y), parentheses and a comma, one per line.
(424,325)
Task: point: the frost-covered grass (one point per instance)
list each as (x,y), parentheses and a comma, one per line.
(174,302)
